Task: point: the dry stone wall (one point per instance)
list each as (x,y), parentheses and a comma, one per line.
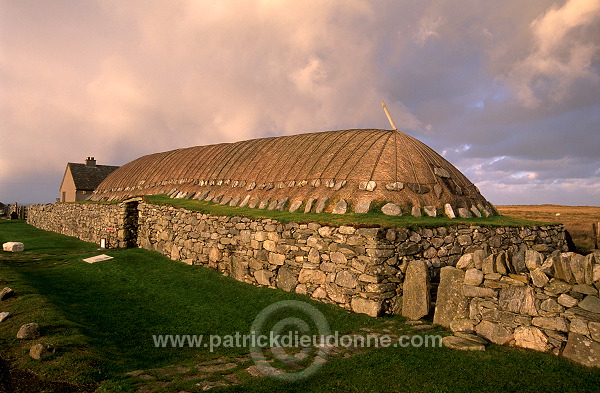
(511,285)
(86,221)
(361,269)
(527,300)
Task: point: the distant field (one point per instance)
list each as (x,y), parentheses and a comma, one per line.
(578,220)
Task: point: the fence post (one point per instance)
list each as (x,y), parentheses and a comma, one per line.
(595,231)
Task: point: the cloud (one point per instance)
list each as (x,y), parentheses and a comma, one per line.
(119,79)
(563,57)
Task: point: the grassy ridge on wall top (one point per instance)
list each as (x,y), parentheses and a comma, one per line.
(364,220)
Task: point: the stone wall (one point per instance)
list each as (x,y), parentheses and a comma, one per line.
(511,285)
(361,269)
(546,304)
(87,221)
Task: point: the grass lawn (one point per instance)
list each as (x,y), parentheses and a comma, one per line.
(102,317)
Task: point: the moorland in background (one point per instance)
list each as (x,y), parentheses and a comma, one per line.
(578,220)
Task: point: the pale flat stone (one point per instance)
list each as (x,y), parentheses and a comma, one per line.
(370,186)
(438,190)
(4,315)
(341,207)
(551,305)
(471,291)
(464,213)
(473,277)
(264,203)
(567,300)
(13,247)
(295,206)
(441,172)
(281,204)
(245,201)
(396,186)
(488,266)
(533,259)
(309,205)
(539,278)
(494,332)
(416,297)
(321,205)
(462,344)
(366,306)
(552,323)
(475,211)
(346,279)
(391,209)
(430,211)
(532,338)
(465,262)
(362,206)
(98,258)
(579,326)
(448,211)
(339,185)
(254,203)
(312,276)
(263,277)
(472,337)
(416,211)
(462,325)
(582,269)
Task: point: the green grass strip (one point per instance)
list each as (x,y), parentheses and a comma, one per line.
(359,220)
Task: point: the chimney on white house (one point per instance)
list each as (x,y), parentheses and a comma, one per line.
(90,161)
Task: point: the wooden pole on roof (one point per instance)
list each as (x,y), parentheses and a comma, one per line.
(387,113)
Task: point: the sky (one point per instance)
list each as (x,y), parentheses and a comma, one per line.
(507,91)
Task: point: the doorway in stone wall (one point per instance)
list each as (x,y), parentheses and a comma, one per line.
(130,222)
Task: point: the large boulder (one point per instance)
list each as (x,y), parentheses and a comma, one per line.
(416,291)
(582,350)
(13,247)
(450,303)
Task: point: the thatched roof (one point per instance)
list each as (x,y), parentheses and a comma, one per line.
(378,165)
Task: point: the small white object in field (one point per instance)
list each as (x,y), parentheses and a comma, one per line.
(557,214)
(13,246)
(98,258)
